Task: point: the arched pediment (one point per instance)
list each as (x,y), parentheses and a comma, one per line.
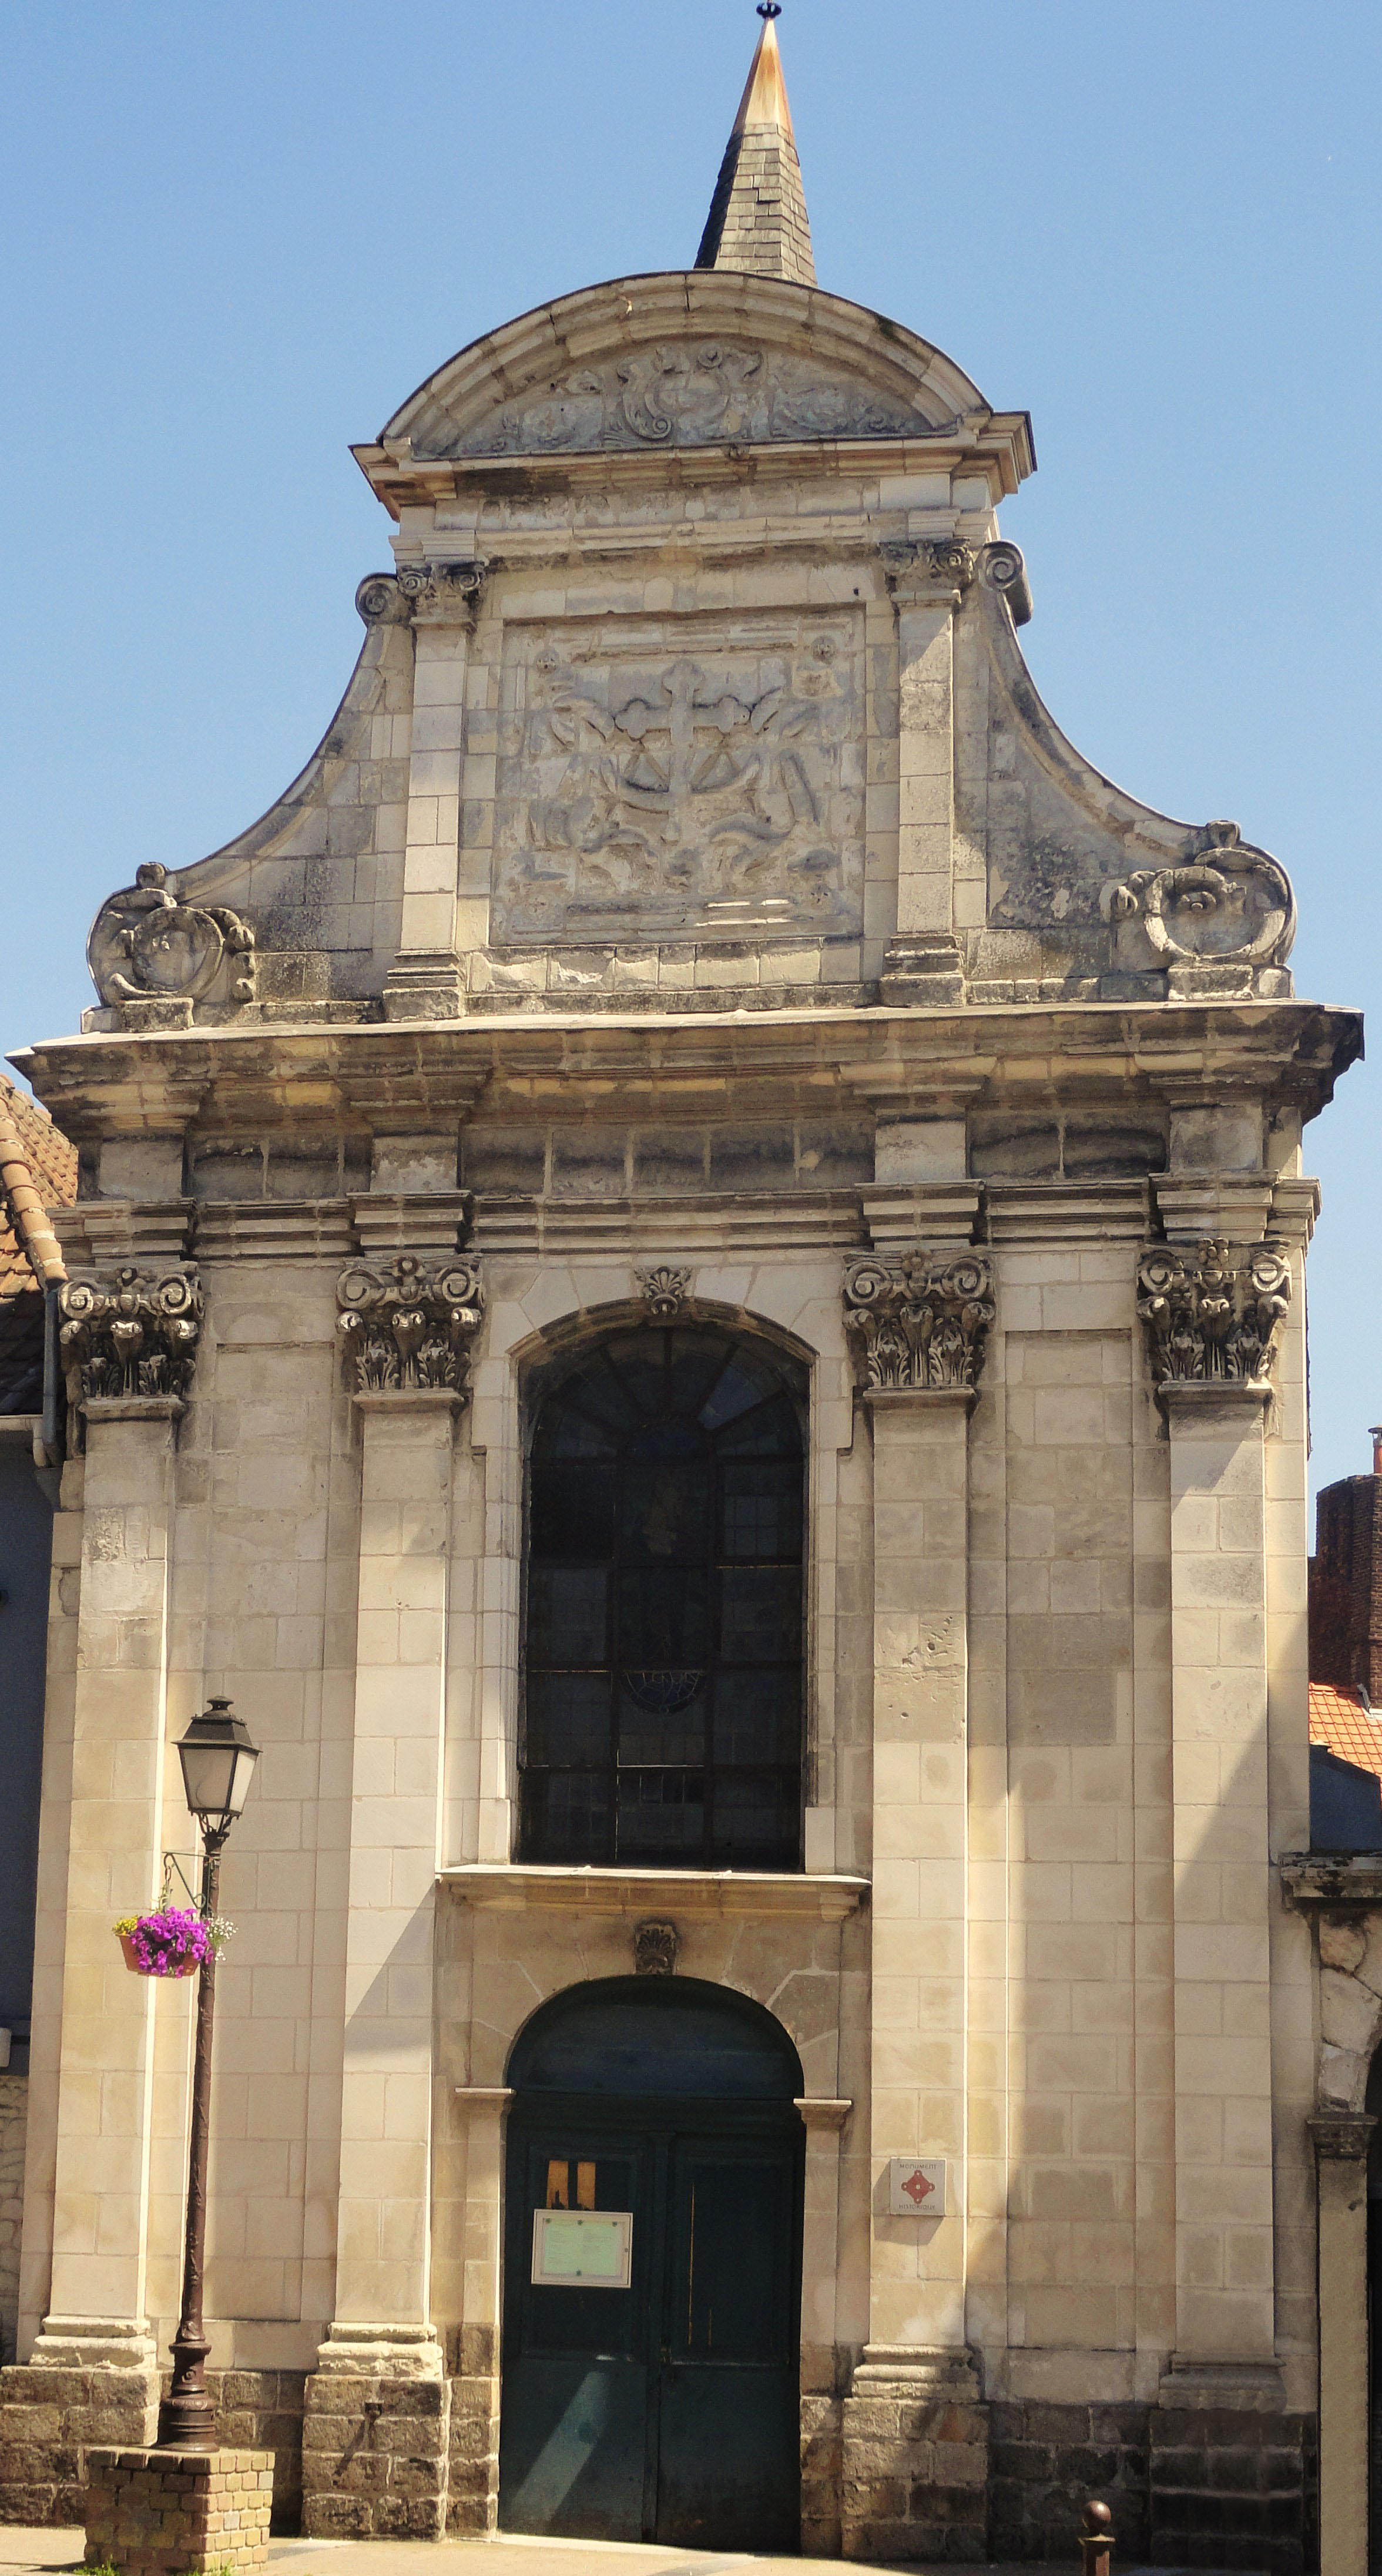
(689,359)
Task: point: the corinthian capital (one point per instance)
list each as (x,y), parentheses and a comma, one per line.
(128,1336)
(407,1325)
(1212,1315)
(920,1323)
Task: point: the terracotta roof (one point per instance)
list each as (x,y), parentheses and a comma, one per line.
(1339,1719)
(38,1170)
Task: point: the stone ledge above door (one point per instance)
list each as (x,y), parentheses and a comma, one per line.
(524,1886)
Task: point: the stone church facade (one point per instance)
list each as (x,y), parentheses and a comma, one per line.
(688,1285)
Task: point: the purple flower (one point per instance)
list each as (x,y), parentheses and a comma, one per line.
(165,1942)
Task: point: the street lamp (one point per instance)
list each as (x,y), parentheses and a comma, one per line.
(218,1762)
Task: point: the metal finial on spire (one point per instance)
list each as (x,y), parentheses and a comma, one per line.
(770,9)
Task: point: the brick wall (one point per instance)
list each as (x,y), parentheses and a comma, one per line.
(1346,1587)
(178,2513)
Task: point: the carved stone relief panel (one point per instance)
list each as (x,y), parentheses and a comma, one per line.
(681,778)
(689,394)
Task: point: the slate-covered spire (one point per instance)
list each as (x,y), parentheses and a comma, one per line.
(757,217)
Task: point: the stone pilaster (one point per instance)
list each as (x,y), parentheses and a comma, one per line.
(821,2409)
(1211,1318)
(1341,2152)
(928,581)
(426,979)
(913,2434)
(473,2510)
(128,1342)
(377,2422)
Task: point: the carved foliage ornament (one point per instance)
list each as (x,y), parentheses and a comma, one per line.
(920,1322)
(943,566)
(1229,905)
(685,394)
(128,1333)
(146,946)
(1212,1314)
(407,1325)
(664,1292)
(655,1949)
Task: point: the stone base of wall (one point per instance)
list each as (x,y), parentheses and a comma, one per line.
(261,2410)
(1045,2462)
(376,2438)
(914,2459)
(51,2415)
(472,2509)
(178,2513)
(14,2112)
(1232,2487)
(822,2455)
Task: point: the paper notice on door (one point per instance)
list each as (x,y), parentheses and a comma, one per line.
(580,2249)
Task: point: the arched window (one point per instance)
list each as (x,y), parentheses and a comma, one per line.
(662,1681)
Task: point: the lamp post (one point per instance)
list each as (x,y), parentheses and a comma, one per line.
(218,1762)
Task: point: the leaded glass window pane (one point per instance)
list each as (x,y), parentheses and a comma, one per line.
(662,1679)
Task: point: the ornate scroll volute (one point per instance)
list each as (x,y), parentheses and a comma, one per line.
(442,594)
(407,1325)
(919,1325)
(1002,568)
(1212,1316)
(150,954)
(380,602)
(128,1342)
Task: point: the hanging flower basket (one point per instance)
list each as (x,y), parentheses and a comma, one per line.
(175,1942)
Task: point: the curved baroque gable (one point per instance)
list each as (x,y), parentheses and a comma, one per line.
(685,360)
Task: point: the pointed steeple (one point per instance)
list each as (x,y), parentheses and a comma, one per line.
(757,217)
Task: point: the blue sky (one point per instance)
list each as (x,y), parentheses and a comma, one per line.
(238,235)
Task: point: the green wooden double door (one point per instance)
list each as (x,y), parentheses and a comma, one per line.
(660,2402)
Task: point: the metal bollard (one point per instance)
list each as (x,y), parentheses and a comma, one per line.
(1097,2541)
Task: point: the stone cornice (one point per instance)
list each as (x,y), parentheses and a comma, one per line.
(1343,1882)
(999,451)
(521,1886)
(117,1084)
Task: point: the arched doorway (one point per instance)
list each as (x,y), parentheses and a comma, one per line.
(653,2270)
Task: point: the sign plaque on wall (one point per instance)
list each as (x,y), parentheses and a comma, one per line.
(579,2249)
(916,2187)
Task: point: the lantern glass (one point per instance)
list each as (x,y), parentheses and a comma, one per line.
(218,1763)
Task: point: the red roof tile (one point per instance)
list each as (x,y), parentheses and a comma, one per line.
(52,1165)
(1339,1719)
